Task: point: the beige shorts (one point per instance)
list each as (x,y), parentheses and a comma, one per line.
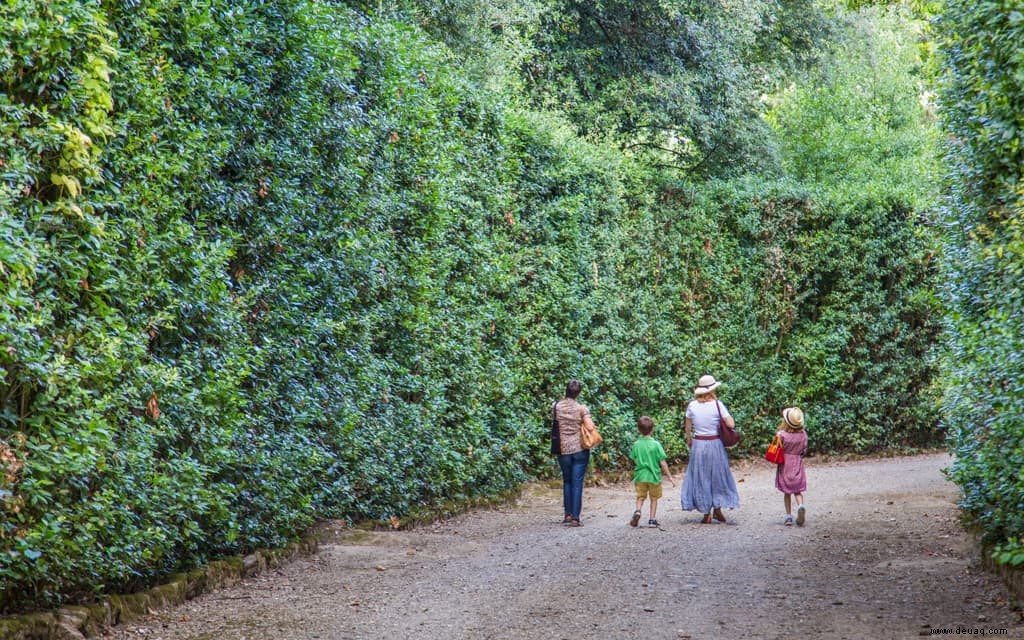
(644,489)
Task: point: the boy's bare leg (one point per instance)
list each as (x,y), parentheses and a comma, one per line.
(654,508)
(636,514)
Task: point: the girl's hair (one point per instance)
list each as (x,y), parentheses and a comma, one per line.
(573,389)
(645,425)
(784,426)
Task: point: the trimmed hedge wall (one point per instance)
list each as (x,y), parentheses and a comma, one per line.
(264,263)
(984,263)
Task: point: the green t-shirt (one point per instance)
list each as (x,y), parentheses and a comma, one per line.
(647,453)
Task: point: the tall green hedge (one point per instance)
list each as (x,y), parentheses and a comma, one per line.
(277,262)
(264,263)
(981,98)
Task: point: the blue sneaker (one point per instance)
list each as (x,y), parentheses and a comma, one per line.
(789,520)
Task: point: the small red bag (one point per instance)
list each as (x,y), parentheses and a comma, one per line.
(775,454)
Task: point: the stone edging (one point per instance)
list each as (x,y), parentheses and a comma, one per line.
(75,622)
(1012,577)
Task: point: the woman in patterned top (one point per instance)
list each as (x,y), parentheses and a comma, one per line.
(572,457)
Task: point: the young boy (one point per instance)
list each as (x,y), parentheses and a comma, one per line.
(649,456)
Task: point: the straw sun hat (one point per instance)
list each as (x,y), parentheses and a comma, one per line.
(794,417)
(706,384)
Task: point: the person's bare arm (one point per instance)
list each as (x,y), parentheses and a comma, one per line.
(666,472)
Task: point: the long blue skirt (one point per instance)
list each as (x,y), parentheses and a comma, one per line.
(708,482)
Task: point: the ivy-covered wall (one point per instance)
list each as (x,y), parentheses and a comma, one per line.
(264,263)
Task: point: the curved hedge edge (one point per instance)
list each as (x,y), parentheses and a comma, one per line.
(75,622)
(429,515)
(1012,577)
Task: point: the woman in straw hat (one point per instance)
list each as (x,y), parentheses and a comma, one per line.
(790,477)
(708,486)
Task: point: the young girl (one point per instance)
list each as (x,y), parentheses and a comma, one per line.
(790,477)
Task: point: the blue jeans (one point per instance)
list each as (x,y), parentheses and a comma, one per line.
(574,467)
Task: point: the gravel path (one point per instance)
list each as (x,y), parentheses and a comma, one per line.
(881,556)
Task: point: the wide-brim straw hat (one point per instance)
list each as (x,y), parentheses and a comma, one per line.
(794,417)
(706,384)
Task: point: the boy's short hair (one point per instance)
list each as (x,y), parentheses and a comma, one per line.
(645,425)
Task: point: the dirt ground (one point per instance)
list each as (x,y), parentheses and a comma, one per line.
(881,556)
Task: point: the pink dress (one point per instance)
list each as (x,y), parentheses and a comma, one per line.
(790,476)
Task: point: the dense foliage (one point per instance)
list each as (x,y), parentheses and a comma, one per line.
(264,263)
(981,99)
(677,82)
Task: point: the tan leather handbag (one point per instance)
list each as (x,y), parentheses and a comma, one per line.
(590,437)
